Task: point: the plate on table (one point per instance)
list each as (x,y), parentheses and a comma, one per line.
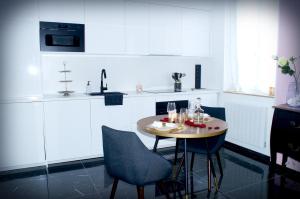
(163,126)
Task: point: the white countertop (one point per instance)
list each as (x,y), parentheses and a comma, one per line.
(83,96)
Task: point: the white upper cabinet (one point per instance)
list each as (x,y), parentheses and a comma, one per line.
(62,11)
(196,33)
(105,27)
(165,30)
(20,62)
(137,28)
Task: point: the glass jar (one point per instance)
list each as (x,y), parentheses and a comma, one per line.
(293,94)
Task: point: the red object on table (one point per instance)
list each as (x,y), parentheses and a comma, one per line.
(190,123)
(165,119)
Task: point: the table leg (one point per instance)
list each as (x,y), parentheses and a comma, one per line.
(186,172)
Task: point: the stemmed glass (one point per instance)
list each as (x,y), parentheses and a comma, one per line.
(171,109)
(183,116)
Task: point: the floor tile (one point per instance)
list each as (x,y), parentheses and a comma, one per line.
(29,188)
(243,178)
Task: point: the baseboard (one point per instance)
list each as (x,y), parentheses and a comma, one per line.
(247,152)
(78,164)
(23,173)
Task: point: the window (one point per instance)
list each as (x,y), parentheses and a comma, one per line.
(250,42)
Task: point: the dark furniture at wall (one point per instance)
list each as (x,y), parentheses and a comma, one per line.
(126,158)
(209,146)
(285,134)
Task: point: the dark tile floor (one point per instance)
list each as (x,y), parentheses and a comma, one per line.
(243,178)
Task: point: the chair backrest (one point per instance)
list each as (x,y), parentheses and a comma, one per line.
(214,143)
(217,112)
(123,151)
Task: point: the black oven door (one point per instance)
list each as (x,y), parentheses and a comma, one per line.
(62,37)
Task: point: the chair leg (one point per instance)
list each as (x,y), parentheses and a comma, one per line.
(114,188)
(176,152)
(214,175)
(163,190)
(219,163)
(208,174)
(179,167)
(155,144)
(192,161)
(140,192)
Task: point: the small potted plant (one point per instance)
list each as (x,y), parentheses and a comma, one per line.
(288,67)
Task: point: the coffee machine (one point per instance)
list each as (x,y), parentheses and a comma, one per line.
(177,77)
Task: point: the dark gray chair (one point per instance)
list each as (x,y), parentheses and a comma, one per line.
(126,158)
(208,146)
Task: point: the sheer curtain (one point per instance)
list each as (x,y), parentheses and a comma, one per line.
(250,42)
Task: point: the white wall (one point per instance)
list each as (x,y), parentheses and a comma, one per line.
(123,72)
(27,72)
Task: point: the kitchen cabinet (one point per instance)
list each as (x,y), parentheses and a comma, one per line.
(67,130)
(165,29)
(20,60)
(142,107)
(137,28)
(117,117)
(208,99)
(62,11)
(196,32)
(105,27)
(21,133)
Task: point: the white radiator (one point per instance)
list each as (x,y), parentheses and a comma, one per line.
(248,124)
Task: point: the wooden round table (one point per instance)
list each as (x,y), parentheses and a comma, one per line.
(213,127)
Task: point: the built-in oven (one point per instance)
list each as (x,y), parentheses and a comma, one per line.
(63,37)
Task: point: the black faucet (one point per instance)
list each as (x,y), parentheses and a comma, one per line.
(102,88)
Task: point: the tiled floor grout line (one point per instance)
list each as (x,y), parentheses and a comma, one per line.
(92,181)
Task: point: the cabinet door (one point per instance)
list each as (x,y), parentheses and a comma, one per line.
(207,99)
(165,30)
(20,59)
(195,33)
(142,107)
(21,134)
(62,11)
(67,130)
(105,27)
(117,117)
(137,28)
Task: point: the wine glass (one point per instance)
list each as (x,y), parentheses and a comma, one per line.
(171,109)
(183,114)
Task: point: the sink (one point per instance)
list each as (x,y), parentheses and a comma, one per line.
(105,93)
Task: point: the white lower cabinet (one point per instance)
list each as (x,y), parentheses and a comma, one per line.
(67,130)
(207,99)
(142,107)
(21,135)
(116,117)
(122,117)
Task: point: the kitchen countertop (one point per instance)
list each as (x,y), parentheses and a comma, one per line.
(83,96)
